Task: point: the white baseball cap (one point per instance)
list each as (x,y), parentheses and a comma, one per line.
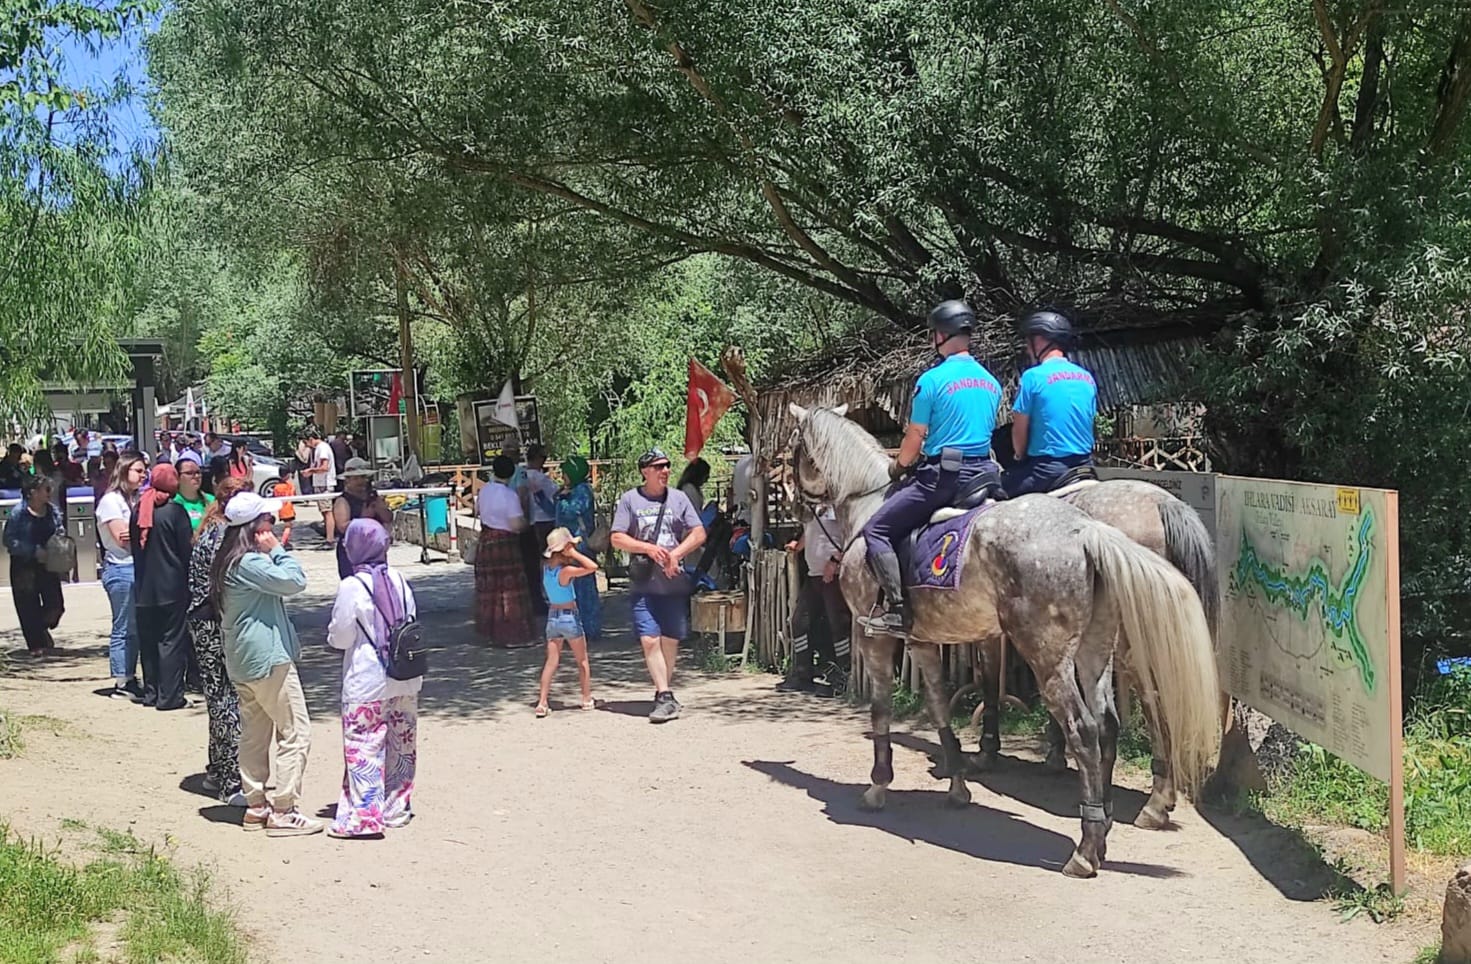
(246,507)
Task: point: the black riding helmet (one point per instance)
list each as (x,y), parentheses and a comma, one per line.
(1051,325)
(952,318)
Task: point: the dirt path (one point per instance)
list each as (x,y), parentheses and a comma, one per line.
(729,835)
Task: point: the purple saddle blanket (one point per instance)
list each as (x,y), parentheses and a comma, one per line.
(938,554)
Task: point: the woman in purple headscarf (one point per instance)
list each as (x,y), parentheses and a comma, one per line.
(379,713)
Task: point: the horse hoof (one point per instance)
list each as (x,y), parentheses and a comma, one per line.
(1079,868)
(958,798)
(1056,761)
(872,799)
(1151,818)
(983,762)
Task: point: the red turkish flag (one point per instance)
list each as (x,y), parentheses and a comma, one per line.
(395,393)
(707,400)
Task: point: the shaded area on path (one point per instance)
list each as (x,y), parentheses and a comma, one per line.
(917,816)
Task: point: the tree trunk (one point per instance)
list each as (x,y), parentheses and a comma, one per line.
(1453,93)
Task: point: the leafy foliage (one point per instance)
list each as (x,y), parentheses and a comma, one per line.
(68,223)
(1287,177)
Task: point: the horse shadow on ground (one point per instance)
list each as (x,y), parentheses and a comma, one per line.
(1281,856)
(1028,782)
(920,816)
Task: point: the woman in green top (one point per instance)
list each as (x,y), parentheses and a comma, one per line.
(191,494)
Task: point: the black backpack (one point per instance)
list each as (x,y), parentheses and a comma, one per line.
(402,655)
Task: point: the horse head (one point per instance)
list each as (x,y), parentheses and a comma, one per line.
(833,458)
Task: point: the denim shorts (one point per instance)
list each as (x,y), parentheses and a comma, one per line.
(563,624)
(655,615)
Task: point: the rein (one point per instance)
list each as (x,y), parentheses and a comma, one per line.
(813,503)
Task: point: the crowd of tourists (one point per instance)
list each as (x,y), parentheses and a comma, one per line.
(196,579)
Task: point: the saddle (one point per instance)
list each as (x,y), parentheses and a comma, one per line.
(931,556)
(984,488)
(1073,481)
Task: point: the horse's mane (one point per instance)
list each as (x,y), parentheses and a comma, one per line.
(851,460)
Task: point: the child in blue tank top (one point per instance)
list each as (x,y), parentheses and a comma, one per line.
(563,563)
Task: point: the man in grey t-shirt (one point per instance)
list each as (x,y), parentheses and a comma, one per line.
(660,596)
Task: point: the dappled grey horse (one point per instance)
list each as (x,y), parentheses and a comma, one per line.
(1158,521)
(1061,586)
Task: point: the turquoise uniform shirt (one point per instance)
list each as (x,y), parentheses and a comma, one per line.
(1060,400)
(957,400)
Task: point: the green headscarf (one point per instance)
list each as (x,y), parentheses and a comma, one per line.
(574,470)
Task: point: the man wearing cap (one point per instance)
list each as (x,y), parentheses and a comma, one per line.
(659,528)
(1052,420)
(947,443)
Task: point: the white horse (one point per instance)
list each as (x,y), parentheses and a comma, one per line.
(1061,586)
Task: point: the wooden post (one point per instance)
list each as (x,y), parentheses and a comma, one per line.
(406,348)
(1396,703)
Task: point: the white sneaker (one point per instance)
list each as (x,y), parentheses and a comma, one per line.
(255,818)
(291,823)
(236,799)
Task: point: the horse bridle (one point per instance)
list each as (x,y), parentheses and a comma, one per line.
(813,503)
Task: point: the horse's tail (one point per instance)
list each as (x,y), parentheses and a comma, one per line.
(1188,547)
(1170,646)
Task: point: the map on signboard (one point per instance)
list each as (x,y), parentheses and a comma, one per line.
(1305,634)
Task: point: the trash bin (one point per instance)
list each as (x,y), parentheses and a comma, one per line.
(436,515)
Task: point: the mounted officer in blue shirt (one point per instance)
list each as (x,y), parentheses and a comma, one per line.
(1052,420)
(947,445)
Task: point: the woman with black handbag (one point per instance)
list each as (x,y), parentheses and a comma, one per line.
(34,584)
(380,708)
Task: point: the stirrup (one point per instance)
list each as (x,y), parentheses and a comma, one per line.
(877,621)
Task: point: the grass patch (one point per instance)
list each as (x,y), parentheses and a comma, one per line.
(907,702)
(11,741)
(1379,904)
(1428,955)
(51,905)
(1322,788)
(13,728)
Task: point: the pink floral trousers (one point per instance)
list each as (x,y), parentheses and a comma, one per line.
(379,747)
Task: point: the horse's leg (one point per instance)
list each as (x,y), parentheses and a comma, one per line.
(927,655)
(1056,755)
(878,660)
(1064,695)
(1108,752)
(1156,812)
(990,753)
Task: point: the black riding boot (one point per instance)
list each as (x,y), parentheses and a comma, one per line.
(895,619)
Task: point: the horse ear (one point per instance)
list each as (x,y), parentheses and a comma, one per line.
(798,412)
(841,411)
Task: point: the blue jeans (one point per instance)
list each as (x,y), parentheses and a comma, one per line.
(122,643)
(1041,474)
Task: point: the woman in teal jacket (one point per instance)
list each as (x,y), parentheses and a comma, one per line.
(251,578)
